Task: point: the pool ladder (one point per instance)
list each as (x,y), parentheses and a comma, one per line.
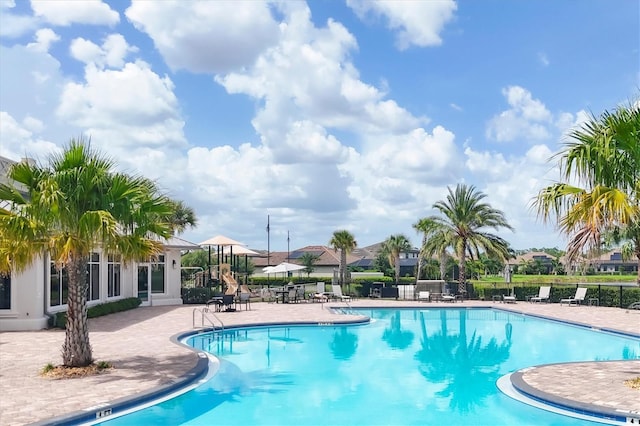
(207,315)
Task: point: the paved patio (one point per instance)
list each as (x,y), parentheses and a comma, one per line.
(137,343)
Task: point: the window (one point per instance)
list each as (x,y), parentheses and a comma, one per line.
(5,291)
(113,275)
(157,275)
(93,277)
(59,282)
(58,285)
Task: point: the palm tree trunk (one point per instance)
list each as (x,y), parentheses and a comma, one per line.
(76,351)
(443,265)
(637,250)
(343,265)
(397,265)
(462,283)
(421,257)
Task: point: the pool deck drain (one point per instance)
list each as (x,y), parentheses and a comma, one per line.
(137,343)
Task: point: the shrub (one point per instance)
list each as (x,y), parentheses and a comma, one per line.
(59,320)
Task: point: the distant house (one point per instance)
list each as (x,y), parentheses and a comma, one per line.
(328,261)
(612,261)
(28,298)
(543,261)
(368,254)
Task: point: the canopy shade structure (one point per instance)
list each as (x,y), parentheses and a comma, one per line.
(238,250)
(221,240)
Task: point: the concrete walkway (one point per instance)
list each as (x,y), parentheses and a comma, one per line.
(137,343)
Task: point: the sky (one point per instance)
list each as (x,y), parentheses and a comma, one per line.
(321,115)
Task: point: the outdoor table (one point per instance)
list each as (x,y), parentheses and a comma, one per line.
(282,293)
(593,301)
(218,302)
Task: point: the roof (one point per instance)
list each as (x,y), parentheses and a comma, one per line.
(326,256)
(532,256)
(179,243)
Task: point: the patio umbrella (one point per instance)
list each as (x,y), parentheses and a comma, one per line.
(285,267)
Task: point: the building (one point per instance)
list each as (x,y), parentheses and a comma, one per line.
(328,261)
(612,262)
(30,297)
(368,254)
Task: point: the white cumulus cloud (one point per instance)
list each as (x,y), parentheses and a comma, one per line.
(526,119)
(417,22)
(112,53)
(128,106)
(67,12)
(208,36)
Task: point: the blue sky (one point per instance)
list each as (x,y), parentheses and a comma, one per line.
(323,115)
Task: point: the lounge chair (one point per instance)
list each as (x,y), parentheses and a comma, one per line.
(320,295)
(337,293)
(543,295)
(424,296)
(578,298)
(448,298)
(511,298)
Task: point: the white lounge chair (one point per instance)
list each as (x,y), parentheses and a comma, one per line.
(543,295)
(581,293)
(509,298)
(337,293)
(424,296)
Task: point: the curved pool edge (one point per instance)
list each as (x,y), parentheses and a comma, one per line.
(111,409)
(532,395)
(108,409)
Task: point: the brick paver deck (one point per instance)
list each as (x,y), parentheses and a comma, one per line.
(137,343)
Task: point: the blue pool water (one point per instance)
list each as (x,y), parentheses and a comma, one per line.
(429,366)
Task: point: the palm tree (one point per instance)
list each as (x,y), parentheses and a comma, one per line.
(393,246)
(604,155)
(429,229)
(344,241)
(308,260)
(69,208)
(182,217)
(461,228)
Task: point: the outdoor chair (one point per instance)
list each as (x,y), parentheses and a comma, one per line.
(424,296)
(244,298)
(543,295)
(337,293)
(578,298)
(509,298)
(227,301)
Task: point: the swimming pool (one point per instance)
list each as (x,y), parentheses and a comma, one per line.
(408,366)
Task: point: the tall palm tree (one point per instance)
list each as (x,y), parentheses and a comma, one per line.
(182,217)
(70,207)
(604,156)
(344,241)
(429,229)
(393,246)
(462,228)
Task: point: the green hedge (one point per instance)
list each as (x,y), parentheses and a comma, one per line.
(60,319)
(608,296)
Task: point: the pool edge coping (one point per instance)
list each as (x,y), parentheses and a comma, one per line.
(589,409)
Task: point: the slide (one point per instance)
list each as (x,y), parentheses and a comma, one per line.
(232,284)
